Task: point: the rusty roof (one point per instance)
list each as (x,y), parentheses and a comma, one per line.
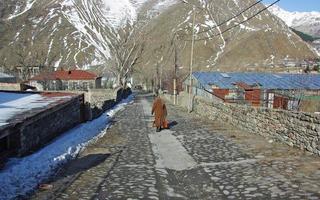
(66,75)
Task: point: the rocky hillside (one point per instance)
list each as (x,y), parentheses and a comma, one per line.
(68,33)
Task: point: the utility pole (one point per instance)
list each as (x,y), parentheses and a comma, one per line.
(157,77)
(161,71)
(191,62)
(175,72)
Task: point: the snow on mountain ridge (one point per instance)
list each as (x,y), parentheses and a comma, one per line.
(308,20)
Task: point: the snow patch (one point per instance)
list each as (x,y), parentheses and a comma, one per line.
(22,175)
(242,26)
(164,4)
(28,6)
(118,12)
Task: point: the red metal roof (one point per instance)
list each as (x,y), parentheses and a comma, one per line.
(66,75)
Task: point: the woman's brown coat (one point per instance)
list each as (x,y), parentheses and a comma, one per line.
(160,111)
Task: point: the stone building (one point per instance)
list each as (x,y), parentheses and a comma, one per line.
(29,120)
(66,80)
(281,91)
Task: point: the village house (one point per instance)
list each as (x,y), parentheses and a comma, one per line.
(9,82)
(290,62)
(66,80)
(284,91)
(6,78)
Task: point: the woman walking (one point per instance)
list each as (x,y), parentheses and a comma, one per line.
(160,113)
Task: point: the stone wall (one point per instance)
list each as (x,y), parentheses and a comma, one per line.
(103,99)
(10,86)
(99,100)
(96,101)
(45,126)
(297,129)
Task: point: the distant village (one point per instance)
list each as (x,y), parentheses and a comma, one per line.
(33,79)
(38,79)
(305,66)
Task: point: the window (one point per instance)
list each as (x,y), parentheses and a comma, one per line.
(75,85)
(69,85)
(64,85)
(85,85)
(91,85)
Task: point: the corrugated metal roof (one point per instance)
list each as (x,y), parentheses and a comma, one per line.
(264,80)
(66,75)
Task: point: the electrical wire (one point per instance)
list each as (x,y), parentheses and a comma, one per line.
(229,19)
(238,24)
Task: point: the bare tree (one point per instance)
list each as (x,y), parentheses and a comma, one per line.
(3,63)
(127,49)
(35,58)
(24,60)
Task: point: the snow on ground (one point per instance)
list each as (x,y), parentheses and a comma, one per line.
(22,175)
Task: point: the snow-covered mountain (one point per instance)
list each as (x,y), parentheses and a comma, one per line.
(307,22)
(68,33)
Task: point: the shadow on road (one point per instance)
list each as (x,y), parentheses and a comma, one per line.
(84,163)
(172,124)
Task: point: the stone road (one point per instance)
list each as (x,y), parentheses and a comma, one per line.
(195,159)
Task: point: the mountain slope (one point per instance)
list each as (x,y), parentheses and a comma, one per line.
(260,43)
(68,33)
(304,36)
(307,22)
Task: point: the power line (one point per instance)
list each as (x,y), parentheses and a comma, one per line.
(228,29)
(235,16)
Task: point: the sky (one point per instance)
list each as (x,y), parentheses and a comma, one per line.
(297,5)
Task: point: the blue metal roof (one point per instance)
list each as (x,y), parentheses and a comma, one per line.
(265,80)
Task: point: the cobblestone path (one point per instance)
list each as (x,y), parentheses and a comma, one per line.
(195,159)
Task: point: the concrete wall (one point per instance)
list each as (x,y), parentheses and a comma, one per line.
(297,129)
